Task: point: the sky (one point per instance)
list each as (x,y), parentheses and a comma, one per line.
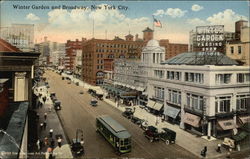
(178,18)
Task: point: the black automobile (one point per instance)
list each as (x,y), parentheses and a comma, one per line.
(57,105)
(77,148)
(52,94)
(168,136)
(136,120)
(53,98)
(151,133)
(128,113)
(93,103)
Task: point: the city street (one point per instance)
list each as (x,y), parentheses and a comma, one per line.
(77,113)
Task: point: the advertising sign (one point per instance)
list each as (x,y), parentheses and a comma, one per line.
(210,38)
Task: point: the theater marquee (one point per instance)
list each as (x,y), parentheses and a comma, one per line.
(210,38)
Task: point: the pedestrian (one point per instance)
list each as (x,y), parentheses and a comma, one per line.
(50,108)
(52,143)
(134,109)
(44,99)
(46,141)
(41,126)
(51,133)
(37,116)
(38,145)
(44,124)
(82,141)
(229,153)
(219,148)
(204,151)
(45,116)
(41,144)
(59,141)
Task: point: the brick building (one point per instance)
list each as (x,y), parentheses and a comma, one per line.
(96,50)
(71,49)
(172,49)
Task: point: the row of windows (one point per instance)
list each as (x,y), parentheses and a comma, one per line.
(159,92)
(194,77)
(174,75)
(118,51)
(118,45)
(226,78)
(232,49)
(197,102)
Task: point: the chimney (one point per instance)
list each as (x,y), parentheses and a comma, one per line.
(136,37)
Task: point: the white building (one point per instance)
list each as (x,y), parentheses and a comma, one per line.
(19,35)
(206,93)
(211,99)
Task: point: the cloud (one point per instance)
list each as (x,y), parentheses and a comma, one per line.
(79,23)
(196,21)
(175,12)
(159,12)
(196,7)
(227,18)
(32,17)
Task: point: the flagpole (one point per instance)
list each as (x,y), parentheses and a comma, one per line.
(93,31)
(153,26)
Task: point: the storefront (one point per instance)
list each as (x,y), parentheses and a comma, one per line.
(172,114)
(225,127)
(192,123)
(155,107)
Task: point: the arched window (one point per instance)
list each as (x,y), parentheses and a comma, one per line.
(99,74)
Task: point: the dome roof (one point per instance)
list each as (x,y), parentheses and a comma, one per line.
(153,43)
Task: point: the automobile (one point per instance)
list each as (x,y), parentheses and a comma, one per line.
(93,102)
(77,148)
(81,92)
(128,113)
(167,135)
(77,83)
(151,133)
(52,94)
(53,98)
(57,105)
(144,125)
(136,120)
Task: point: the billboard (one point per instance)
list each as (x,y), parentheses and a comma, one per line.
(210,38)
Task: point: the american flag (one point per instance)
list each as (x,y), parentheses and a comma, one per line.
(157,23)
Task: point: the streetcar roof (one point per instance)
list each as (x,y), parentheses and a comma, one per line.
(114,126)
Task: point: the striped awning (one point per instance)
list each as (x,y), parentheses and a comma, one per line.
(151,104)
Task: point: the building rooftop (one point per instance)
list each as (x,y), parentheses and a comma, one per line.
(148,30)
(12,126)
(7,47)
(201,58)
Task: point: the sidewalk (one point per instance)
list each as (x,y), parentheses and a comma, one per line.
(53,122)
(190,142)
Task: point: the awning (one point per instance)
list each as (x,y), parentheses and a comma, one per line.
(172,112)
(140,89)
(151,104)
(245,119)
(240,136)
(226,124)
(128,96)
(192,119)
(158,106)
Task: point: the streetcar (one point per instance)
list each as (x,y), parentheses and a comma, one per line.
(114,133)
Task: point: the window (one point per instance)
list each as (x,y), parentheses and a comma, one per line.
(159,73)
(159,92)
(174,96)
(222,104)
(172,75)
(243,77)
(232,49)
(239,49)
(153,57)
(194,77)
(223,78)
(242,102)
(195,101)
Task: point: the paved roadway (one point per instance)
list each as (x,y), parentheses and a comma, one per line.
(77,113)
